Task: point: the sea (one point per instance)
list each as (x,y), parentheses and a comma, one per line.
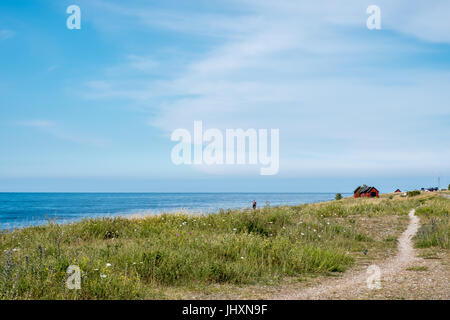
(18,210)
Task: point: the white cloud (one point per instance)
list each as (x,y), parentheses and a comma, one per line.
(314,71)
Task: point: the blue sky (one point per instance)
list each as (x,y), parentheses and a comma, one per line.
(93,109)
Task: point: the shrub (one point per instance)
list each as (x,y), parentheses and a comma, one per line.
(413,193)
(434,234)
(338,196)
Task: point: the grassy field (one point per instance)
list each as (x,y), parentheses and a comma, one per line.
(434,215)
(183,256)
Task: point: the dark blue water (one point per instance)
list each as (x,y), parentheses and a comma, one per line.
(25,209)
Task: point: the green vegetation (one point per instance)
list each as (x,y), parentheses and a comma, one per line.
(338,196)
(434,232)
(413,193)
(147,257)
(418,268)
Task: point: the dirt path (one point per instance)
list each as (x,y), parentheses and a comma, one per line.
(354,283)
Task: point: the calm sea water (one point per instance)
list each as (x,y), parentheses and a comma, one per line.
(25,209)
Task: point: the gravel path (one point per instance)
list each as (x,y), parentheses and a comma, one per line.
(354,283)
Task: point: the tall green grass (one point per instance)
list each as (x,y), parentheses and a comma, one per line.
(435,228)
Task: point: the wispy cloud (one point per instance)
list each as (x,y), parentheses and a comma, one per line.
(52,68)
(62,133)
(6,34)
(240,18)
(312,70)
(36,123)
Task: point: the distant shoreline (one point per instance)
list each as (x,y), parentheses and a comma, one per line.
(21,210)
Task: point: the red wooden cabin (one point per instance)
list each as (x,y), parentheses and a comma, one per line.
(366,192)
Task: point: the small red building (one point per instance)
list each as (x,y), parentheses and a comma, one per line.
(366,192)
(398,190)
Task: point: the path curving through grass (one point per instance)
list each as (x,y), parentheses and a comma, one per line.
(353,284)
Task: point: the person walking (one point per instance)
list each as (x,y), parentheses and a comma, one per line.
(254,204)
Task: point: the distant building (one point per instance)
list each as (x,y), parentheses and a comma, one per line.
(430,189)
(398,190)
(366,192)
